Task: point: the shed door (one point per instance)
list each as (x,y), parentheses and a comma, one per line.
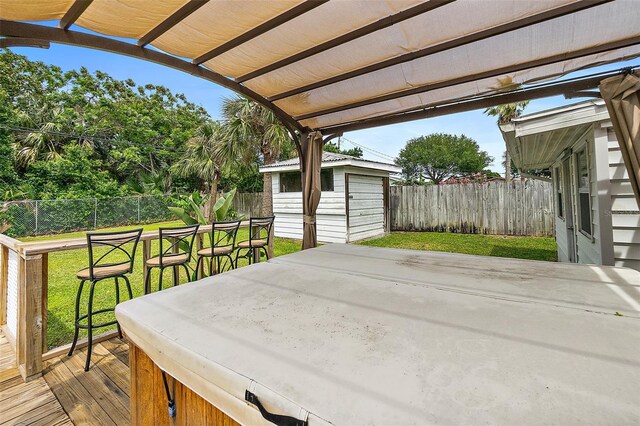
(366,215)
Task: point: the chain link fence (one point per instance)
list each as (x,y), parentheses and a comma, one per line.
(41,217)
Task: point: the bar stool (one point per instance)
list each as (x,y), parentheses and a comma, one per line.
(259,238)
(115,262)
(177,254)
(223,243)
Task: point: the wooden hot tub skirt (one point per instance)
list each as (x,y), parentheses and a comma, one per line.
(149,404)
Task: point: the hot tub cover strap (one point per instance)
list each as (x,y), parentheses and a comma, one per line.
(276,419)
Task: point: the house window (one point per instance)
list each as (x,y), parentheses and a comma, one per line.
(292,182)
(559,195)
(584,196)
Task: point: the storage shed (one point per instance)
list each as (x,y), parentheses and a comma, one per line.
(354,204)
(596,214)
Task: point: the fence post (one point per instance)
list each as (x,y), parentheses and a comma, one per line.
(139,209)
(95,213)
(36,217)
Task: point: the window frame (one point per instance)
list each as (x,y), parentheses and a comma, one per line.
(583,150)
(559,191)
(298,176)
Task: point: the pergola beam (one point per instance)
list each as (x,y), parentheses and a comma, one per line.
(23,42)
(290,14)
(447,45)
(20,29)
(559,88)
(345,38)
(186,10)
(74,12)
(479,76)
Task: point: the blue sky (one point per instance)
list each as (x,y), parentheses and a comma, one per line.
(388,139)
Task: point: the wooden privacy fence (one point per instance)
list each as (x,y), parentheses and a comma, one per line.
(498,207)
(248,204)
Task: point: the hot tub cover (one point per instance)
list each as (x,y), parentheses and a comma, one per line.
(401,337)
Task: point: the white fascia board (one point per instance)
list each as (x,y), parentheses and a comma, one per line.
(586,114)
(340,163)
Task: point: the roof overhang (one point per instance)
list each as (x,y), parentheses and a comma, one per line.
(348,65)
(535,141)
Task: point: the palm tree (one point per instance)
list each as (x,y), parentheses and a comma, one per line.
(201,160)
(252,130)
(505,114)
(44,139)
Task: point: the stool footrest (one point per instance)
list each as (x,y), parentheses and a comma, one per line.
(104,324)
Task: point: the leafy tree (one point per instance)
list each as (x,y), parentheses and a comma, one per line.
(132,130)
(252,130)
(7,173)
(354,152)
(155,183)
(489,174)
(440,156)
(505,114)
(74,174)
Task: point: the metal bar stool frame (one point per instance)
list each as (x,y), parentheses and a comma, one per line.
(223,243)
(101,269)
(179,238)
(257,225)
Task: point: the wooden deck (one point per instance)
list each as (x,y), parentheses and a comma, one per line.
(66,394)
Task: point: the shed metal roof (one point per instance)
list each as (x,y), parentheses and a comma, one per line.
(345,64)
(330,159)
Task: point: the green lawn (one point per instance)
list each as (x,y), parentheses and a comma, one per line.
(64,265)
(534,248)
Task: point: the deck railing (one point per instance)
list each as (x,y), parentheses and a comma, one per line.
(24,285)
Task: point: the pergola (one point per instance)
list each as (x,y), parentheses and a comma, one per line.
(326,68)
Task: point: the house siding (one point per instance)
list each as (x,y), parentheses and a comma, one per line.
(331,222)
(625,215)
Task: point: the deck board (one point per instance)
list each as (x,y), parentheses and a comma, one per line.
(66,394)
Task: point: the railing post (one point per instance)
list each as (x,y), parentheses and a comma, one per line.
(30,316)
(4,280)
(45,300)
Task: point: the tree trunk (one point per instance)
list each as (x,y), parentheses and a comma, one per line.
(507,166)
(213,195)
(267,195)
(267,198)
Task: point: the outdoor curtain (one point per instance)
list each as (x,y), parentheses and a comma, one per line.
(622,96)
(311,190)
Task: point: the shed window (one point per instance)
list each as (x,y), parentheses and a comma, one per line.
(292,182)
(584,196)
(559,194)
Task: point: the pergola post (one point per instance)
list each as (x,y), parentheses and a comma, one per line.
(310,154)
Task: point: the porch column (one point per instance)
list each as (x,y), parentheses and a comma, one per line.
(622,97)
(310,163)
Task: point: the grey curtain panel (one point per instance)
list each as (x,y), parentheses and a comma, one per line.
(312,157)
